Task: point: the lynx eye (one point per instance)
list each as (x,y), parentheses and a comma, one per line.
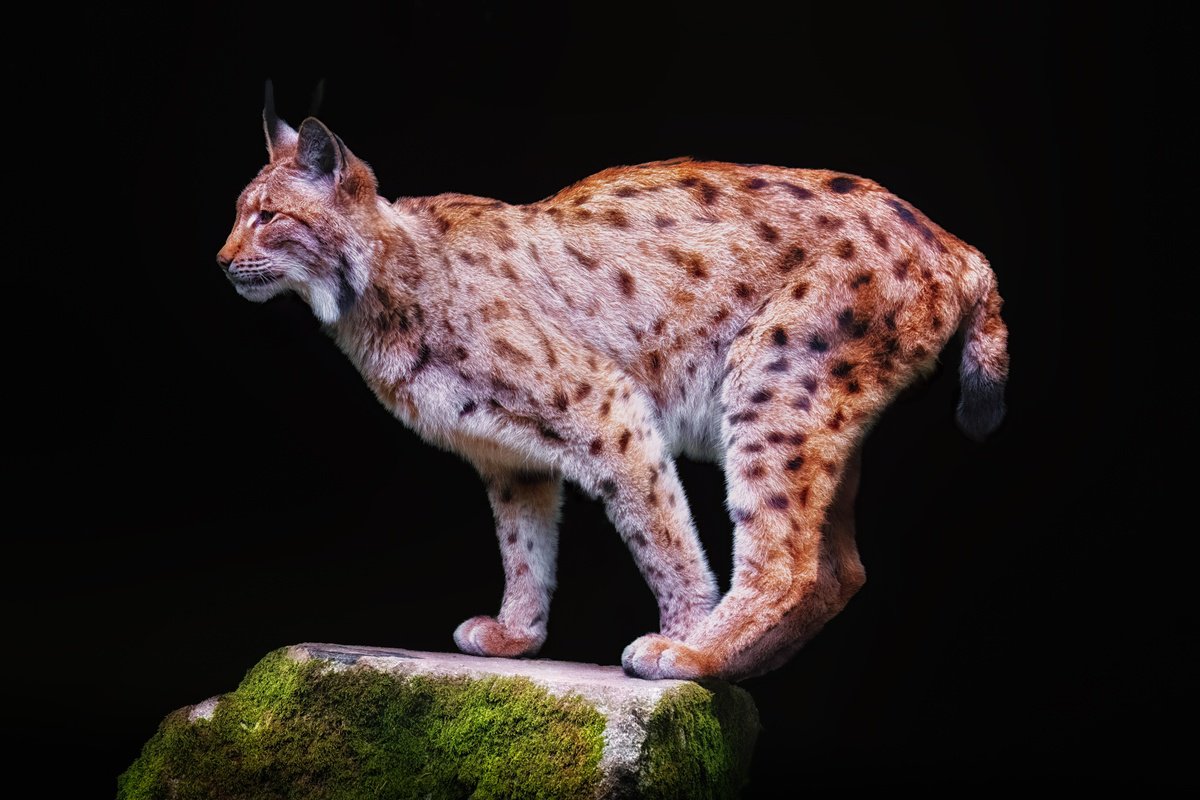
(265,216)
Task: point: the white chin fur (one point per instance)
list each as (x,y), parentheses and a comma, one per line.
(259,294)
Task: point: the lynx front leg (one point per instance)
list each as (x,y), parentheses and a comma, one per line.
(526,506)
(613,450)
(600,433)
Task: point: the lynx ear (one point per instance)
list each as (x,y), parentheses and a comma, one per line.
(281,137)
(319,151)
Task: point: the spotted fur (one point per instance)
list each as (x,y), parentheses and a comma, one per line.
(757,316)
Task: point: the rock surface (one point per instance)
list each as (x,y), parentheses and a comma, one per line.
(334,721)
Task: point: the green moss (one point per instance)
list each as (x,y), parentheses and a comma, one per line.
(698,743)
(303,730)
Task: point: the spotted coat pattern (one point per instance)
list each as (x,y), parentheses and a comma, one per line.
(757,316)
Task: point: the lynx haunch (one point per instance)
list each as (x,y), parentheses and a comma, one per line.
(755,316)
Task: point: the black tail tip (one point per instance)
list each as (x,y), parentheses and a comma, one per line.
(981,409)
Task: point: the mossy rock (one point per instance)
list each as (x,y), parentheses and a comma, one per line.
(342,723)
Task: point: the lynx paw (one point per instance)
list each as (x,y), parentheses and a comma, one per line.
(487,636)
(655,656)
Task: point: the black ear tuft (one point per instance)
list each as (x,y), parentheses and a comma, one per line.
(318,97)
(280,136)
(270,118)
(318,150)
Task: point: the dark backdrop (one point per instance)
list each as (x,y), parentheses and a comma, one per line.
(193,480)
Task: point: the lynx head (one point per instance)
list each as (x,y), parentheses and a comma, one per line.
(304,222)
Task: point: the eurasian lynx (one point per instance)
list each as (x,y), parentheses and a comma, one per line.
(757,316)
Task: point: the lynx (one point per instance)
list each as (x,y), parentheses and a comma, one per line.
(756,316)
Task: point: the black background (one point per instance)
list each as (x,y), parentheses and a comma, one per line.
(193,480)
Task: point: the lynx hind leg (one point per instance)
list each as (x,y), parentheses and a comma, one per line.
(840,549)
(526,507)
(807,376)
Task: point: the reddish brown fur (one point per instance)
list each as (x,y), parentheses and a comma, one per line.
(762,316)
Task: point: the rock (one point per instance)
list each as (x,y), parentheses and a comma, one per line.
(331,721)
